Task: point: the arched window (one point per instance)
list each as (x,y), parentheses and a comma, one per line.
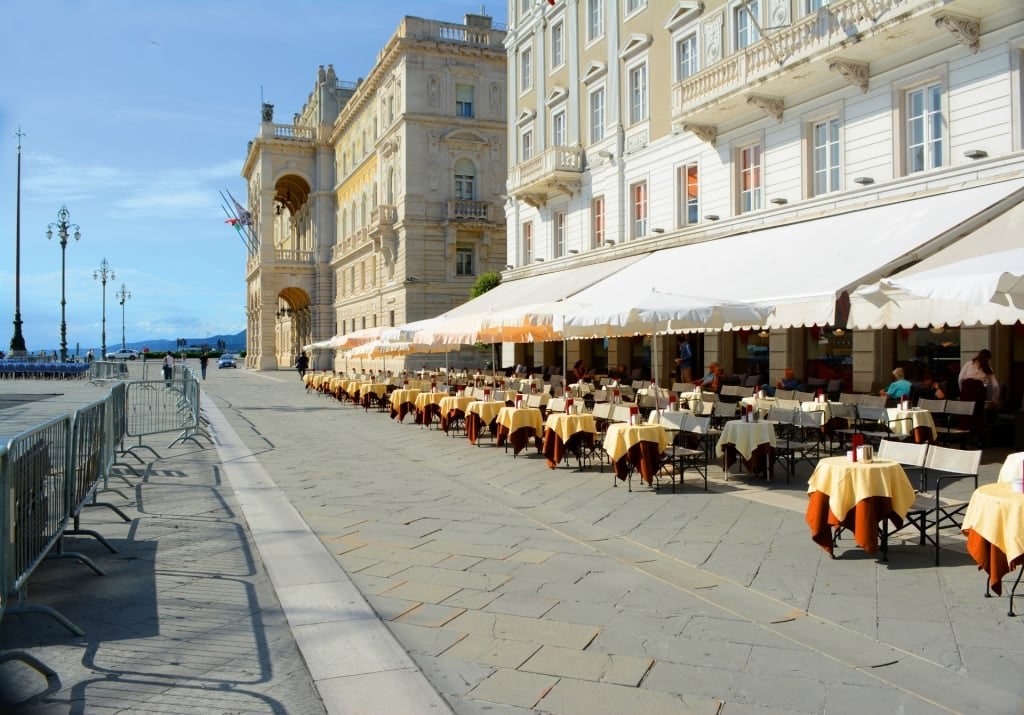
(465,180)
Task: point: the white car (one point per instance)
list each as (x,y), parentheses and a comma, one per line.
(128,354)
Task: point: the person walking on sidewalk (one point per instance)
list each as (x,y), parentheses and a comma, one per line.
(302,364)
(168,368)
(204,360)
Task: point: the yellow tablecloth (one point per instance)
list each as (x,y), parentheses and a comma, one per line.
(996,513)
(455,403)
(621,436)
(846,483)
(905,422)
(565,426)
(400,397)
(485,410)
(1012,467)
(513,418)
(745,437)
(378,388)
(429,398)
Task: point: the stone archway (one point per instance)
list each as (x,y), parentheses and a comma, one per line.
(293,324)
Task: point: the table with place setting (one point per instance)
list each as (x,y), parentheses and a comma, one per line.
(635,447)
(516,425)
(750,443)
(994,526)
(916,422)
(428,406)
(481,414)
(453,408)
(565,433)
(403,402)
(856,495)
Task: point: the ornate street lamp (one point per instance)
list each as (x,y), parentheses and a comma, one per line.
(102,274)
(18,340)
(122,295)
(64,228)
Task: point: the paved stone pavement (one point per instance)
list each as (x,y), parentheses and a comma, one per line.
(515,588)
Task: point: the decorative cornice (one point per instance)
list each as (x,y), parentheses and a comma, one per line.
(525,116)
(682,13)
(964,30)
(556,95)
(707,133)
(635,44)
(856,73)
(772,106)
(594,70)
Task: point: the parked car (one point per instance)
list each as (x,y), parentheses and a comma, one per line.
(226,360)
(128,354)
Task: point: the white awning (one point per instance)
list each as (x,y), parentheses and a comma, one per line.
(802,267)
(977,280)
(544,288)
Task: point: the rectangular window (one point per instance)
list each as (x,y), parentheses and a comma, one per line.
(464,100)
(815,5)
(825,156)
(638,193)
(525,69)
(597,221)
(924,128)
(527,243)
(688,188)
(464,261)
(527,145)
(595,19)
(559,247)
(558,129)
(638,94)
(634,5)
(597,115)
(557,45)
(746,29)
(750,178)
(686,57)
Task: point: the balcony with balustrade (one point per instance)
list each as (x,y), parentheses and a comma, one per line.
(814,54)
(462,210)
(554,172)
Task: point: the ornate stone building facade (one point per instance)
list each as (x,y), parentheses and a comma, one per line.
(382,202)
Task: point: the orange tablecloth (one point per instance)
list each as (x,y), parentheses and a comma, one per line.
(453,408)
(994,525)
(517,424)
(427,406)
(636,446)
(856,495)
(567,433)
(918,423)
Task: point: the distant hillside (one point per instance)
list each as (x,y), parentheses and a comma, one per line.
(234,343)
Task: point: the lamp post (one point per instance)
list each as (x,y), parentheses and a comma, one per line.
(18,340)
(64,228)
(122,295)
(102,274)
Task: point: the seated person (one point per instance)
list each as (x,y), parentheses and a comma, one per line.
(928,389)
(618,373)
(898,388)
(788,381)
(713,379)
(579,371)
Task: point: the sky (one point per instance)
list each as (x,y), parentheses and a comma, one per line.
(135,114)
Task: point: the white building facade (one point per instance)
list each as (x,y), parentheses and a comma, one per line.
(639,125)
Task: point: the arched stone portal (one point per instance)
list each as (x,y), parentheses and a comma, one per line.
(293,325)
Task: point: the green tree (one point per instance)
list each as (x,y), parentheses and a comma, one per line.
(487,281)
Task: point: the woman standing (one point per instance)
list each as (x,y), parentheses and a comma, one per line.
(977,382)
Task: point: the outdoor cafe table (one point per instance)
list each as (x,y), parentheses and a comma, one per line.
(480,414)
(915,422)
(564,433)
(517,424)
(753,442)
(636,446)
(856,496)
(994,525)
(403,401)
(372,388)
(427,405)
(453,408)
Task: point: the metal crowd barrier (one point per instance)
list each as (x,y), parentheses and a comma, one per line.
(50,473)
